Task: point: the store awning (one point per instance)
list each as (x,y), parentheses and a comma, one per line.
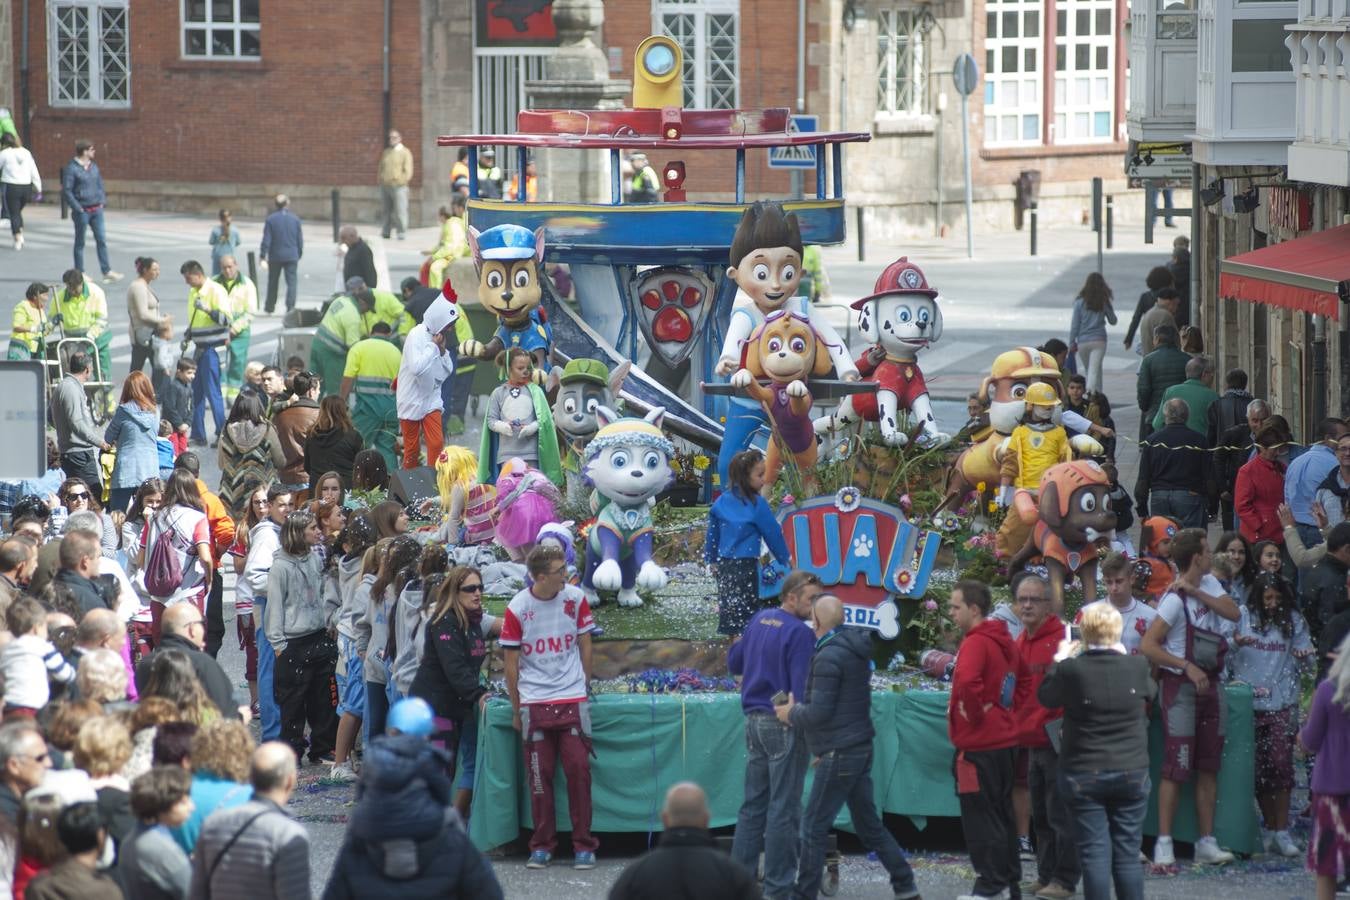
(1311,273)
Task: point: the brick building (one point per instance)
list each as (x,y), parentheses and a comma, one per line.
(196,104)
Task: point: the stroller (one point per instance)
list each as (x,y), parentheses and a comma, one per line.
(61,345)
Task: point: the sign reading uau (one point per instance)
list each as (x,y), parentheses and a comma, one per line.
(865,550)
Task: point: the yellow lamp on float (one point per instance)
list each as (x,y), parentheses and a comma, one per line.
(658,67)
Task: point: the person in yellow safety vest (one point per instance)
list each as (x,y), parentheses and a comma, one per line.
(209,322)
(341,328)
(646,186)
(82,311)
(243,294)
(28,328)
(389,310)
(372,365)
(454,241)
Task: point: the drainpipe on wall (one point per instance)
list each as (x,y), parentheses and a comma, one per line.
(1319,369)
(388,101)
(797,187)
(23,77)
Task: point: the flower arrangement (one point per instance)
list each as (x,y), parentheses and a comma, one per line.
(930,624)
(676,681)
(689,466)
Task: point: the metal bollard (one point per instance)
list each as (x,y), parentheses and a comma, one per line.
(337,213)
(65,207)
(860,234)
(1110,221)
(1034,218)
(253,266)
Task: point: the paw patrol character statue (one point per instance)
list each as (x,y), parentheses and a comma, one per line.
(787,351)
(900,318)
(1075,518)
(766,264)
(628,463)
(584,385)
(1034,446)
(509,260)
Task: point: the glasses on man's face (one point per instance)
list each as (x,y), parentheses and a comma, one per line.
(554,573)
(471,588)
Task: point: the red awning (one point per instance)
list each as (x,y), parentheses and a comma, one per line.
(1310,273)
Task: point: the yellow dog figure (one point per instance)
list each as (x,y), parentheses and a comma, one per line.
(787,351)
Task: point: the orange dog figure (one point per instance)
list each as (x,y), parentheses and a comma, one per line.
(1075,517)
(786,351)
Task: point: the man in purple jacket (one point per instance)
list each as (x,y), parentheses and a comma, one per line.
(773,656)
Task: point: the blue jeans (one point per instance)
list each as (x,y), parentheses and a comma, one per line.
(1108,812)
(269,713)
(377,710)
(206,388)
(845,777)
(1184,507)
(94,221)
(775,770)
(742,422)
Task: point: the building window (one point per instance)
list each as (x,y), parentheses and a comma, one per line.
(707,32)
(221,29)
(1012,65)
(901,86)
(88,54)
(1084,63)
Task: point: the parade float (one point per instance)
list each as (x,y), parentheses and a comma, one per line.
(687,340)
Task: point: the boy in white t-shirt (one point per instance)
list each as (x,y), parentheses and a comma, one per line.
(1188,641)
(1118,575)
(546,636)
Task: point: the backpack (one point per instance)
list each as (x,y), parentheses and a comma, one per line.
(163,573)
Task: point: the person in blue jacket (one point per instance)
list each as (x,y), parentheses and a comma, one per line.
(739,521)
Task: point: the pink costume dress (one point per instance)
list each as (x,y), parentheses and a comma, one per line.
(525,502)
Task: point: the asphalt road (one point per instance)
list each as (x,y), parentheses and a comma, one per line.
(1001,300)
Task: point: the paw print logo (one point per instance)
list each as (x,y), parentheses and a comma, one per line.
(671,302)
(862,547)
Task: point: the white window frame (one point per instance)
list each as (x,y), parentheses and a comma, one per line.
(902,78)
(697,65)
(209,25)
(98,53)
(1070,85)
(1015,97)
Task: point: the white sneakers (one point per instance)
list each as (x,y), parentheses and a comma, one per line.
(343,773)
(1208,852)
(18,241)
(1162,852)
(1279,842)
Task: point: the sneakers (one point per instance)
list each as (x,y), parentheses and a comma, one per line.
(1001,895)
(1054,892)
(1285,845)
(1208,853)
(342,772)
(1163,854)
(18,241)
(585,859)
(539,859)
(1024,848)
(111,277)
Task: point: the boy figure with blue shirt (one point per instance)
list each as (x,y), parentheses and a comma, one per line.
(773,657)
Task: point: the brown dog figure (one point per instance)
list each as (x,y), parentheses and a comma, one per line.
(1075,517)
(787,351)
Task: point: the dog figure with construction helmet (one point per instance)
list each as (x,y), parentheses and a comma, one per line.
(584,385)
(628,464)
(785,351)
(509,259)
(1035,445)
(1076,520)
(900,317)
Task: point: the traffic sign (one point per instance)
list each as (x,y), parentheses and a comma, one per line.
(800,156)
(966,74)
(1158,164)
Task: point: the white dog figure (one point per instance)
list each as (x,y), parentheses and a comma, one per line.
(900,317)
(628,464)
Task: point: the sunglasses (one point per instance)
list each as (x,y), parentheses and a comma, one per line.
(78,495)
(471,588)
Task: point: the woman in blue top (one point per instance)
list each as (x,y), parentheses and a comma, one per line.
(134,430)
(738,522)
(1087,332)
(224,241)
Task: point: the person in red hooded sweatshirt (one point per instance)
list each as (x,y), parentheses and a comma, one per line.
(981,727)
(1056,851)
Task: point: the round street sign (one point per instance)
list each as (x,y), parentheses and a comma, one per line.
(966,74)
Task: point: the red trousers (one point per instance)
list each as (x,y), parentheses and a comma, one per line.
(428,429)
(552,731)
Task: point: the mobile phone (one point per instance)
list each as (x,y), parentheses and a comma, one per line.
(1075,633)
(779,699)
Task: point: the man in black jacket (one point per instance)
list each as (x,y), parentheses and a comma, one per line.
(1324,588)
(1175,476)
(184,630)
(1231,407)
(836,717)
(1232,452)
(78,557)
(360,259)
(687,863)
